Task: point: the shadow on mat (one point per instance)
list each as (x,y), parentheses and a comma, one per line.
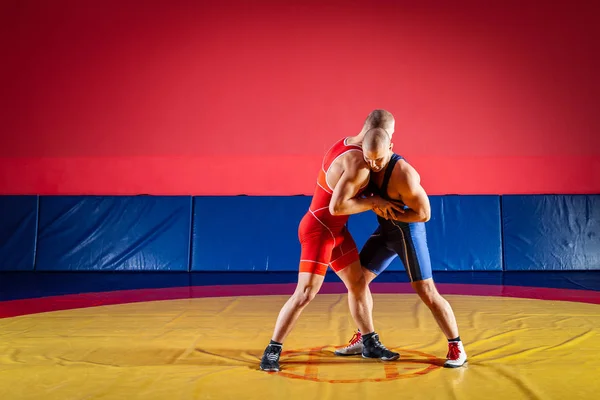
(151,356)
(306,357)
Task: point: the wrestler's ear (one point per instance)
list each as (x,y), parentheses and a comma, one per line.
(391,145)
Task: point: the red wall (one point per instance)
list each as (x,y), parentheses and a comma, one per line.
(180,97)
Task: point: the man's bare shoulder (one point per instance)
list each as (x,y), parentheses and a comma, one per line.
(351,164)
(355,161)
(405,175)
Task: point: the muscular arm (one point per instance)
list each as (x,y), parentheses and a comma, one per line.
(414,196)
(344,200)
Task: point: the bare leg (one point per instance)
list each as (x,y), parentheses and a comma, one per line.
(440,308)
(359,296)
(369,277)
(308,286)
(361,304)
(306,290)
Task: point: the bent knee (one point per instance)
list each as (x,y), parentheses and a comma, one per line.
(304,295)
(427,291)
(358,283)
(369,275)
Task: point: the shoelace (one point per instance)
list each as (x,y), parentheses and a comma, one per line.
(355,339)
(377,343)
(273,355)
(453,351)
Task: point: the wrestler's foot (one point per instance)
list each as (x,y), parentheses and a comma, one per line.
(270,358)
(374,349)
(456,356)
(354,347)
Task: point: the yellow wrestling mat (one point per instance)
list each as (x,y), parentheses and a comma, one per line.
(209,348)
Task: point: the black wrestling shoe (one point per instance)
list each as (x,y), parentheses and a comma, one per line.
(270,358)
(372,348)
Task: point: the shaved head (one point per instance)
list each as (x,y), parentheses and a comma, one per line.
(376,139)
(377,148)
(380,119)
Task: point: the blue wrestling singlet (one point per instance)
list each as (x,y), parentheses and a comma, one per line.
(397,239)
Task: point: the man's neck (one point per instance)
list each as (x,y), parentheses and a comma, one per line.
(356,140)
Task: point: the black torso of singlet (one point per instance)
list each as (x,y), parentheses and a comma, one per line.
(383,190)
(387,175)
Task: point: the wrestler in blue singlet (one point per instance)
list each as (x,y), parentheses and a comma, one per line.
(396,239)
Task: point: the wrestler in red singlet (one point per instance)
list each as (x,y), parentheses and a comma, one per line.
(324,238)
(326,241)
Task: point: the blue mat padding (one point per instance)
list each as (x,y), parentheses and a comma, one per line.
(18,232)
(260,233)
(247,233)
(551,232)
(133,233)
